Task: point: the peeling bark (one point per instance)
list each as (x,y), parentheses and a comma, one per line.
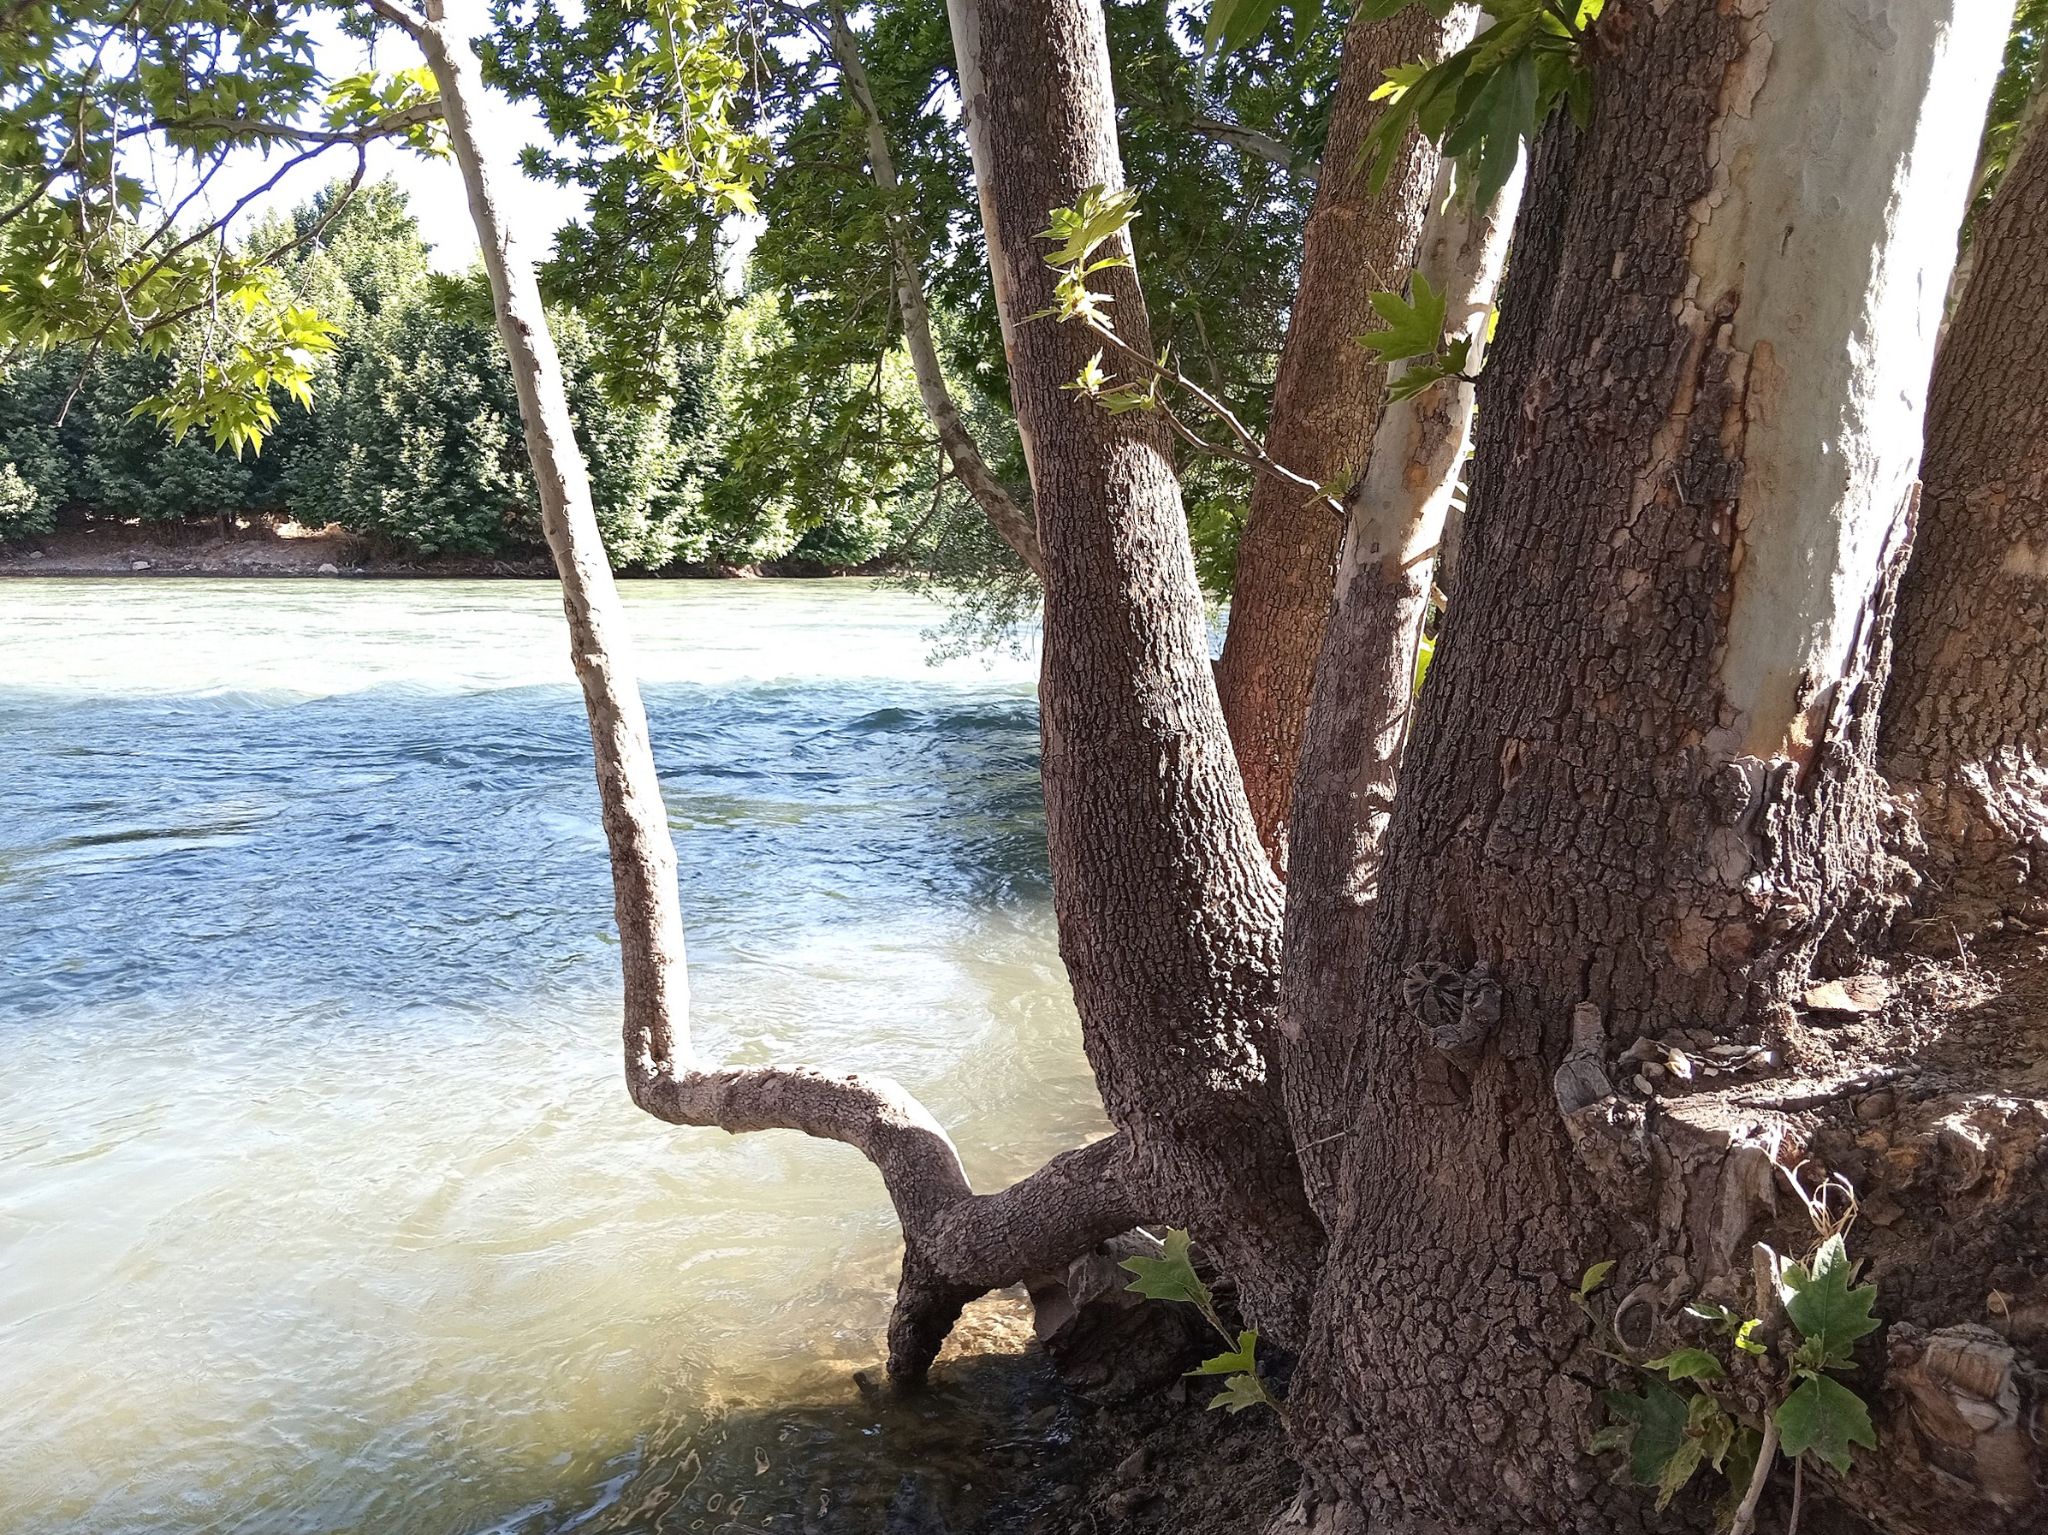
(1965,737)
(1168,912)
(1326,400)
(1365,683)
(1639,794)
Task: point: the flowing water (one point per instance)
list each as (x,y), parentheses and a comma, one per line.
(322,1205)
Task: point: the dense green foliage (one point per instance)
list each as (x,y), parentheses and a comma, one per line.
(1218,248)
(415,443)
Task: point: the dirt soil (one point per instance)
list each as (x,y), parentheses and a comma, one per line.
(1162,1463)
(259,549)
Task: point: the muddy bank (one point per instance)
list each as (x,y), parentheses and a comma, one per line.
(1160,1463)
(287,549)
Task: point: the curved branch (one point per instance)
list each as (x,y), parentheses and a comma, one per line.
(956,1244)
(405,17)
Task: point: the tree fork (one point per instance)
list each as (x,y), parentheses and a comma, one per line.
(1640,792)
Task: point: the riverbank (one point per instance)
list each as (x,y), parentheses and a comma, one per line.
(288,549)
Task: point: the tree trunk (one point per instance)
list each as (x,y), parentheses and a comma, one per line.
(1012,523)
(1639,795)
(1965,738)
(1364,689)
(1168,912)
(956,1244)
(1326,400)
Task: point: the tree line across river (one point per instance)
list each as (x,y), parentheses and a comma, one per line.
(415,442)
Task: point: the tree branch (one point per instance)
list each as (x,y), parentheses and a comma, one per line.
(401,16)
(1261,145)
(956,1244)
(1013,524)
(1251,453)
(383,127)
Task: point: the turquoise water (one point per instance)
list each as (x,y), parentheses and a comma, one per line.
(322,1207)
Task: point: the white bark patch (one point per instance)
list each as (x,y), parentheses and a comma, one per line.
(2025,561)
(1842,161)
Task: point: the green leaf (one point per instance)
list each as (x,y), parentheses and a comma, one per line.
(1739,1467)
(1098,214)
(1829,1314)
(1240,1361)
(1659,1416)
(1233,23)
(1826,1417)
(1677,1471)
(1712,1427)
(1415,378)
(1171,1276)
(1688,1364)
(1595,1277)
(1415,327)
(1238,1393)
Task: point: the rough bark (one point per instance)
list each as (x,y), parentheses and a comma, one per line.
(1326,401)
(1168,912)
(1364,688)
(1965,738)
(956,1244)
(1639,793)
(1012,523)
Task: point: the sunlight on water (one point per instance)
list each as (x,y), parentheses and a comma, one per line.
(322,1206)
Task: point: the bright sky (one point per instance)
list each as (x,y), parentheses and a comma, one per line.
(434,187)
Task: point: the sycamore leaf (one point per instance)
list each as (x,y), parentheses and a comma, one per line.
(1712,1427)
(1098,214)
(1171,1276)
(1238,1393)
(1688,1364)
(1415,326)
(1240,1361)
(1659,1416)
(1678,1470)
(1829,1314)
(1826,1417)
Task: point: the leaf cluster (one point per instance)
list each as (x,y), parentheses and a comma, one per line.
(1690,1412)
(1172,1277)
(1482,105)
(1414,334)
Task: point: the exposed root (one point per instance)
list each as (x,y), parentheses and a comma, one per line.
(957,1244)
(1922,1117)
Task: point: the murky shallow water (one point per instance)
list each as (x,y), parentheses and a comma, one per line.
(322,1207)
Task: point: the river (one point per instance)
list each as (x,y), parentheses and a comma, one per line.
(322,1205)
